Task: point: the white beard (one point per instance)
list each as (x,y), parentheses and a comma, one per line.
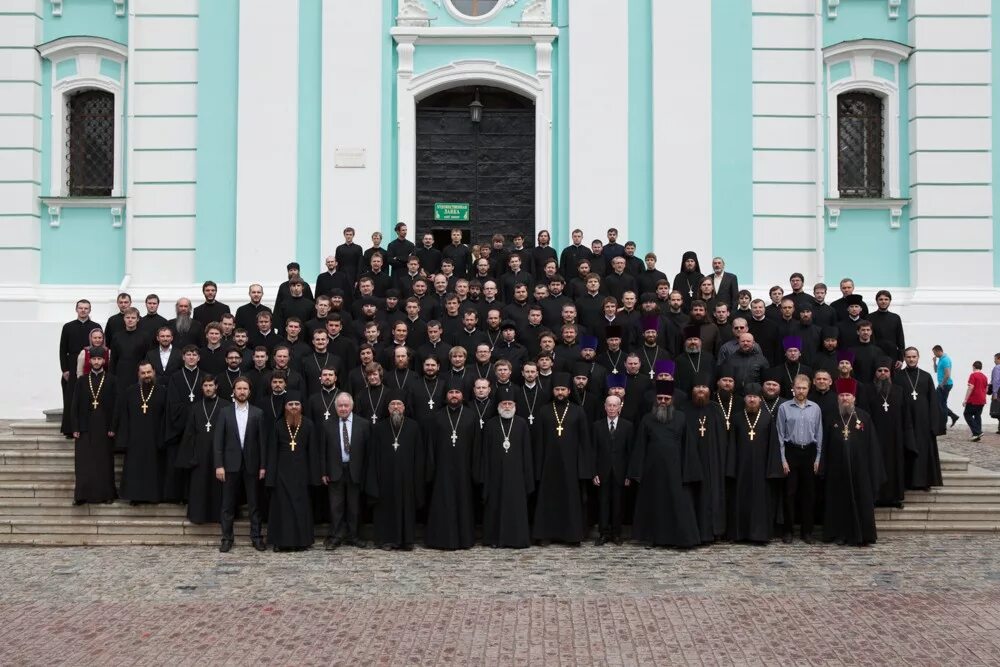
(396,419)
(507,414)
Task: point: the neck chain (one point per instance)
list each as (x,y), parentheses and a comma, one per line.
(454,372)
(726,412)
(326,359)
(292,436)
(614,362)
(327,406)
(486,406)
(791,378)
(431,392)
(406,376)
(479,371)
(274,412)
(696,367)
(506,435)
(531,406)
(191,385)
(656,353)
(753,425)
(454,426)
(560,420)
(208,417)
(913,385)
(885,399)
(493,339)
(377,403)
(96,394)
(145,399)
(395,435)
(774,405)
(846,431)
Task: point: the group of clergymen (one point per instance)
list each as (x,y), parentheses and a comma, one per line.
(458,389)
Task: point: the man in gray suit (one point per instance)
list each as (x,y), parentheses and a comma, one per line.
(342,460)
(239,455)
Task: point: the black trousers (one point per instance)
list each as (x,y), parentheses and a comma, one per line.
(611,494)
(235,481)
(345,505)
(800,488)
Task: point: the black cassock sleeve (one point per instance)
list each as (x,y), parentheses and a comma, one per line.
(639,453)
(315,460)
(419,464)
(186,449)
(876,466)
(691,466)
(774,468)
(373,464)
(527,444)
(271,477)
(585,457)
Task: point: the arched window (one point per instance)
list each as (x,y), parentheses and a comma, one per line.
(860,145)
(90,143)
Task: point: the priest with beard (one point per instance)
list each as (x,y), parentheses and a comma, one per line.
(754,467)
(707,433)
(293,464)
(453,450)
(694,364)
(91,414)
(852,465)
(75,337)
(142,412)
(925,421)
(686,281)
(508,478)
(666,465)
(725,398)
(889,411)
(183,389)
(196,455)
(581,394)
(320,407)
(562,460)
(395,477)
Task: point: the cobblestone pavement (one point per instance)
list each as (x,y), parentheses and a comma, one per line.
(918,599)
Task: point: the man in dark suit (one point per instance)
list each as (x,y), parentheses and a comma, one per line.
(239,455)
(612,441)
(342,460)
(727,286)
(165,350)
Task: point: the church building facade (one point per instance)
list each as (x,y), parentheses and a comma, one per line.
(149,145)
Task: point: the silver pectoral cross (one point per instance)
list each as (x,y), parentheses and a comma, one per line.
(454,438)
(481,422)
(885,406)
(395,445)
(374,418)
(614,371)
(430,403)
(651,374)
(191,396)
(531,419)
(326,415)
(208,427)
(914,394)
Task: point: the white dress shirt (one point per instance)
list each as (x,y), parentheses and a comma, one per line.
(242,416)
(165,356)
(344,456)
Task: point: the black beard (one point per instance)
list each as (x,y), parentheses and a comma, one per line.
(699,401)
(724,395)
(147,384)
(560,401)
(883,386)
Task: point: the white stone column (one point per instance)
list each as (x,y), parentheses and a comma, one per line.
(543,135)
(406,123)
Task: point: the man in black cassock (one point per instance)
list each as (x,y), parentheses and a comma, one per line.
(923,468)
(562,459)
(707,433)
(91,415)
(182,389)
(612,446)
(852,465)
(195,454)
(453,445)
(666,465)
(889,411)
(395,477)
(754,466)
(292,466)
(142,412)
(127,349)
(74,337)
(508,478)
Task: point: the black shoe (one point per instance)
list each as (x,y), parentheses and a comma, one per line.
(387,547)
(407,547)
(977,438)
(600,541)
(787,539)
(618,540)
(360,544)
(953,420)
(808,539)
(330,543)
(225,546)
(259,545)
(77,503)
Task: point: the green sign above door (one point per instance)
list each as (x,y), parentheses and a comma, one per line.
(454,212)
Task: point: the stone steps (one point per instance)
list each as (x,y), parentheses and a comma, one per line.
(947,494)
(949,512)
(13,508)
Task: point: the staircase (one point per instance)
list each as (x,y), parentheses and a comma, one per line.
(36,501)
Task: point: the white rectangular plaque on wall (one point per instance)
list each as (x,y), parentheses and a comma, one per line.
(349,158)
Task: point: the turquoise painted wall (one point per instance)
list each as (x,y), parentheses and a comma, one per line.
(995,55)
(83,249)
(519,56)
(882,259)
(560,127)
(866,19)
(94,18)
(441,18)
(308,250)
(389,209)
(732,136)
(218,77)
(640,124)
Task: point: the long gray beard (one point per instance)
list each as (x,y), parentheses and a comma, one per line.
(183,323)
(507,414)
(396,419)
(883,386)
(845,413)
(663,413)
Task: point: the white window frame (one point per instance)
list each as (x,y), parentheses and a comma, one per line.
(861,55)
(88,53)
(482,18)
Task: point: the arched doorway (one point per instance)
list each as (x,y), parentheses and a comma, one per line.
(490,164)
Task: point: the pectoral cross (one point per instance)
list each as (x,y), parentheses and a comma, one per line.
(395,445)
(690,292)
(208,427)
(701,427)
(614,371)
(885,406)
(751,433)
(481,422)
(651,375)
(191,396)
(914,394)
(506,445)
(326,415)
(292,443)
(430,403)
(95,403)
(374,418)
(846,432)
(531,420)
(454,437)
(559,430)
(144,408)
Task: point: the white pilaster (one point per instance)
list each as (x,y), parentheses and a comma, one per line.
(267,137)
(351,121)
(682,131)
(598,119)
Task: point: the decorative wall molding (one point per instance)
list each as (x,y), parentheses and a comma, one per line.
(119,7)
(57,7)
(412,13)
(537,13)
(894,207)
(477,35)
(54,216)
(833,5)
(475,20)
(116,217)
(894,9)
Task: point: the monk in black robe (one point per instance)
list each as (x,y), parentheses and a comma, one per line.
(666,465)
(889,410)
(75,336)
(754,466)
(91,415)
(923,468)
(195,454)
(142,412)
(508,478)
(395,477)
(562,460)
(128,348)
(292,465)
(707,433)
(852,465)
(452,459)
(183,390)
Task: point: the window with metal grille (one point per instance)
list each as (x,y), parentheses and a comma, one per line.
(859,141)
(90,144)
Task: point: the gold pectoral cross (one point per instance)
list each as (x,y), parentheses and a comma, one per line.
(559,430)
(846,432)
(144,408)
(292,443)
(701,427)
(95,403)
(752,433)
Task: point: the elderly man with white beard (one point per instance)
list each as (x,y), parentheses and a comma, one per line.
(395,479)
(508,477)
(665,464)
(186,329)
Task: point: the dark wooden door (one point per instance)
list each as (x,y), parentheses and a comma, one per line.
(490,164)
